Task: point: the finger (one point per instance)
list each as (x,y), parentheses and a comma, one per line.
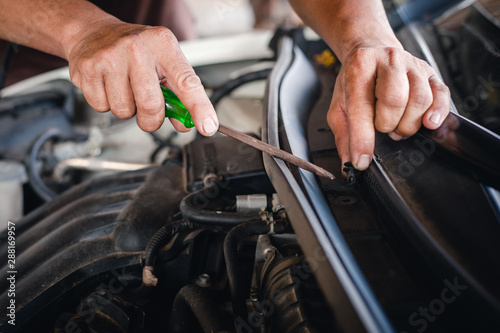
(391,91)
(360,102)
(183,81)
(178,125)
(147,93)
(419,100)
(95,94)
(119,94)
(337,120)
(440,106)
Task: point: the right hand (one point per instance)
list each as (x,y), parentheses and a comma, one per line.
(120,67)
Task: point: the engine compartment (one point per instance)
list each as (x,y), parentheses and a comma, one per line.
(190,234)
(89,259)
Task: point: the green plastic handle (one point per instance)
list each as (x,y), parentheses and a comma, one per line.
(175,109)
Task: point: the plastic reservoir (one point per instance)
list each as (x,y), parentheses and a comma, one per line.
(12,177)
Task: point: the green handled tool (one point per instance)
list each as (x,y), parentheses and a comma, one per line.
(175,109)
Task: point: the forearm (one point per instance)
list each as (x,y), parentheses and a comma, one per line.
(52,26)
(347,24)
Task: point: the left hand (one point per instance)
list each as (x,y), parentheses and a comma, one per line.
(384,89)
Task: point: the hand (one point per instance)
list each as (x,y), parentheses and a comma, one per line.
(384,89)
(120,67)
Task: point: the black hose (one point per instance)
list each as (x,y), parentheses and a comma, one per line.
(237,276)
(13,105)
(195,304)
(158,140)
(193,217)
(196,214)
(229,86)
(160,238)
(36,181)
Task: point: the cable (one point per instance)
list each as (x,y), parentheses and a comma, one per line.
(193,218)
(35,180)
(229,86)
(159,239)
(211,218)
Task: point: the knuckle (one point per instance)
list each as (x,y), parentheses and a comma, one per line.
(150,107)
(384,127)
(188,81)
(124,112)
(100,107)
(422,100)
(359,59)
(165,34)
(150,125)
(132,44)
(407,130)
(394,101)
(330,119)
(440,88)
(98,104)
(87,67)
(422,64)
(393,56)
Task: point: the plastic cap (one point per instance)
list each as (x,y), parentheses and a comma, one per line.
(10,170)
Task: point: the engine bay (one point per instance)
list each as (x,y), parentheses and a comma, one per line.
(124,231)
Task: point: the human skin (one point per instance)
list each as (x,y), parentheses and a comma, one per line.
(118,66)
(380,86)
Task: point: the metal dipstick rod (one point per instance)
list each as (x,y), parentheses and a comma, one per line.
(273,151)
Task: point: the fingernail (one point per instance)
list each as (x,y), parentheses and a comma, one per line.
(363,162)
(395,137)
(435,117)
(209,126)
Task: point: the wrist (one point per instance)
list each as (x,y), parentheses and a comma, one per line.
(81,25)
(353,38)
(377,43)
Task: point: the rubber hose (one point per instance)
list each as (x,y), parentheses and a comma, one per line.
(211,218)
(35,180)
(229,86)
(159,239)
(195,304)
(162,237)
(239,291)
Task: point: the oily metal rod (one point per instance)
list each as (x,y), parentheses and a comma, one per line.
(273,151)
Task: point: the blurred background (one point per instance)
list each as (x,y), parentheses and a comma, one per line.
(220,17)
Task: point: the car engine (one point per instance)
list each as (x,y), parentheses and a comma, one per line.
(170,232)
